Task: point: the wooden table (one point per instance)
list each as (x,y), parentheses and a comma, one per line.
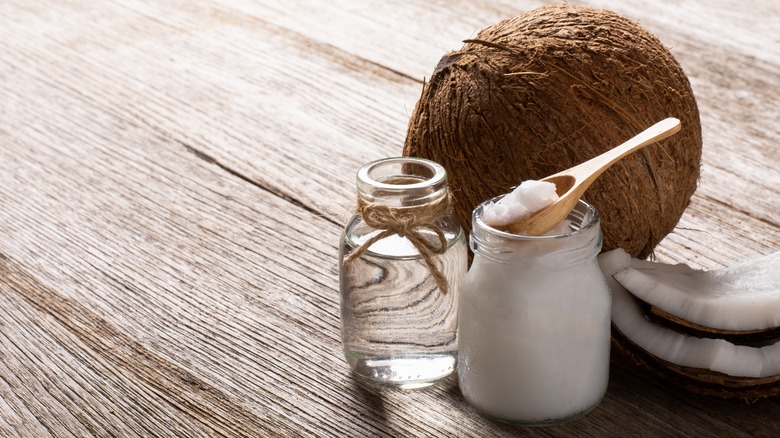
(174,177)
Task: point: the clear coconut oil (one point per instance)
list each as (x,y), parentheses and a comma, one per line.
(398,327)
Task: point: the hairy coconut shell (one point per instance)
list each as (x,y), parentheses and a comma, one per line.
(549,89)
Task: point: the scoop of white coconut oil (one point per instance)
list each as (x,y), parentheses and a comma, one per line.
(527,198)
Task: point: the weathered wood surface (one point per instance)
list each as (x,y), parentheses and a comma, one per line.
(173,181)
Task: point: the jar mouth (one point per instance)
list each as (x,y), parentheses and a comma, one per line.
(401,182)
(401,174)
(582,218)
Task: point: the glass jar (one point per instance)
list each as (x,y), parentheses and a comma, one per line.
(399,282)
(535,322)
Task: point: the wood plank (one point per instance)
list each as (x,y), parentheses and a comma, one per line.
(57,385)
(174,178)
(724,26)
(712,235)
(260,78)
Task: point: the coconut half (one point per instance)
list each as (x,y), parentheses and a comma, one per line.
(745,297)
(703,365)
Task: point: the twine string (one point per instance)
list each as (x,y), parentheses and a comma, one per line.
(408,222)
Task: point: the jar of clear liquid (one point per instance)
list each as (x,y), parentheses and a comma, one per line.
(535,322)
(398,320)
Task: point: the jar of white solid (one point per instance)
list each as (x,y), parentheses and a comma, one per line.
(534,325)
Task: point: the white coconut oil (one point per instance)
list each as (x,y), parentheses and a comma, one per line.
(527,198)
(535,322)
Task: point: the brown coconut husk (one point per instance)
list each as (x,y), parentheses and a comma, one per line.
(549,89)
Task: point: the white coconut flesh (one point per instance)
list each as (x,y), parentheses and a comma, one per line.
(744,297)
(712,354)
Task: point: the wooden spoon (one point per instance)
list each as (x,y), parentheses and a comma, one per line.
(571,183)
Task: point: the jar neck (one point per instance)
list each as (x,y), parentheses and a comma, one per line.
(579,242)
(401,182)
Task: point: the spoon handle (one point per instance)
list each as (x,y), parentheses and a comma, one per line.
(572,183)
(590,170)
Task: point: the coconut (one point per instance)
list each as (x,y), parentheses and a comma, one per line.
(715,367)
(737,355)
(549,89)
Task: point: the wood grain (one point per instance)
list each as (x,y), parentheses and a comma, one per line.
(174,177)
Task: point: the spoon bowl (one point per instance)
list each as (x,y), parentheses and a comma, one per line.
(571,183)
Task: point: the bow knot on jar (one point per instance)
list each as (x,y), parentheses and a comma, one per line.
(412,224)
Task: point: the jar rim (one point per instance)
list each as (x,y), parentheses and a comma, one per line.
(590,212)
(439,175)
